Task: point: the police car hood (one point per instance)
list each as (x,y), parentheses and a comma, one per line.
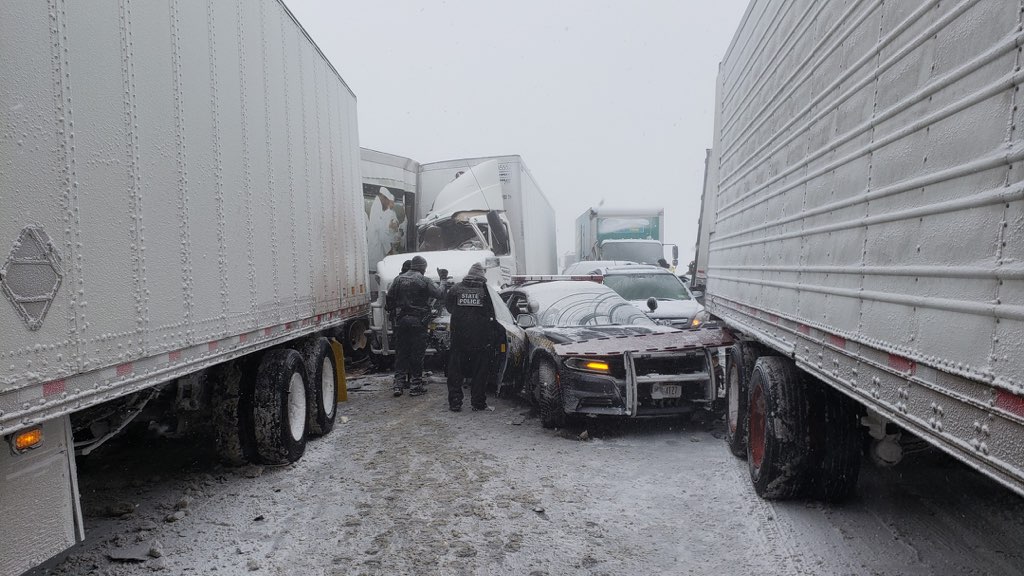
(457,262)
(614,340)
(569,334)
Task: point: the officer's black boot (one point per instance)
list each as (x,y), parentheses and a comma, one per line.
(417,387)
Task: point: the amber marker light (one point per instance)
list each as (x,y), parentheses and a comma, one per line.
(27,439)
(594,365)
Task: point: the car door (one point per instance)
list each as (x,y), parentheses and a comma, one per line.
(511,345)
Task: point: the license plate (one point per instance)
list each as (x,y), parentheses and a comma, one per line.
(666,391)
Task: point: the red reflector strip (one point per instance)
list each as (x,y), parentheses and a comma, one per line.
(243,338)
(805,329)
(124,369)
(268,331)
(902,364)
(55,387)
(212,346)
(174,356)
(837,341)
(1010,402)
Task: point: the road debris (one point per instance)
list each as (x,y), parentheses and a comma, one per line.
(176,516)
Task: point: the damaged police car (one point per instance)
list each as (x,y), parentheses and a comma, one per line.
(589,352)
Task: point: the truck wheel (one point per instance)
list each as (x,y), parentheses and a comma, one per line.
(323,383)
(779,431)
(739,366)
(355,341)
(231,401)
(279,407)
(549,391)
(837,445)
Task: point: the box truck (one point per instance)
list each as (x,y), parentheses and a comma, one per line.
(480,209)
(865,214)
(525,206)
(183,226)
(631,235)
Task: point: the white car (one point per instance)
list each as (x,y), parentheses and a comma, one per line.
(656,291)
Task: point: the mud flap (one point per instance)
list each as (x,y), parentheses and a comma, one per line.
(39,498)
(339,368)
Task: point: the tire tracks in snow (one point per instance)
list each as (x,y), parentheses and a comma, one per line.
(775,531)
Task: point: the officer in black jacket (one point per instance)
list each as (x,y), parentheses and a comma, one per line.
(409,297)
(471,338)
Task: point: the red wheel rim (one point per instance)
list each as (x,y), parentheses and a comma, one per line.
(758,423)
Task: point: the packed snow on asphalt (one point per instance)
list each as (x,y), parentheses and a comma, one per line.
(403,486)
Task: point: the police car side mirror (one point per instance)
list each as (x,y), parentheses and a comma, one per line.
(652,303)
(533,306)
(526,321)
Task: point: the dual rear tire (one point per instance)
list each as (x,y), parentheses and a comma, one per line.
(282,393)
(800,437)
(266,406)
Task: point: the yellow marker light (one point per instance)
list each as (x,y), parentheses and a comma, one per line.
(695,323)
(593,365)
(27,439)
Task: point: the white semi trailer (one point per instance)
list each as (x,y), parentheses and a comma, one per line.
(181,213)
(865,205)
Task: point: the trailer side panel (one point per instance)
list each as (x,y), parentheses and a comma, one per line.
(181,186)
(869,209)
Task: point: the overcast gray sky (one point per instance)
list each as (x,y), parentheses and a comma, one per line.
(603,99)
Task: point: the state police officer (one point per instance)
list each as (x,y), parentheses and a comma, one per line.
(409,297)
(471,338)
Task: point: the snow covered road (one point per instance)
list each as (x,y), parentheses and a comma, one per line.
(403,486)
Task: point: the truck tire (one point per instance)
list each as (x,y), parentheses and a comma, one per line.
(837,440)
(231,402)
(279,407)
(545,381)
(778,435)
(739,367)
(353,337)
(323,383)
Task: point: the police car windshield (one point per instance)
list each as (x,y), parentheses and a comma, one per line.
(643,286)
(581,303)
